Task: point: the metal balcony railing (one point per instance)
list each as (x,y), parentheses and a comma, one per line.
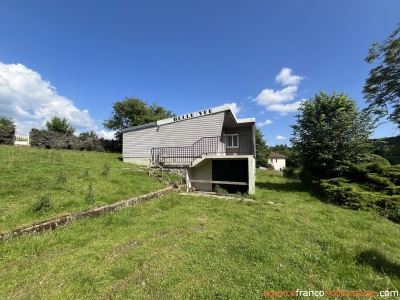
(227,145)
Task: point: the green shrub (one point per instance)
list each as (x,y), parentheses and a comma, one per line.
(379,160)
(106,169)
(42,204)
(62,177)
(90,194)
(291,172)
(389,206)
(379,182)
(357,172)
(220,191)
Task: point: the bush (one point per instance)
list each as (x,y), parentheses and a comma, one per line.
(291,172)
(220,191)
(90,194)
(56,140)
(341,192)
(7,131)
(42,204)
(106,169)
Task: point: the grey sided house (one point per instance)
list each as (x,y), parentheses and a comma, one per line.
(213,146)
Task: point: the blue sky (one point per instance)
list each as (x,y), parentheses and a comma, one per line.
(75,58)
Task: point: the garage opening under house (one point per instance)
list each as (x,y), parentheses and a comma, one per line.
(212,145)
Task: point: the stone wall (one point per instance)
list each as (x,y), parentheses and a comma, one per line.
(56,140)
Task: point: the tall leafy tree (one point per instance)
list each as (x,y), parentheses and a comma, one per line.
(330,134)
(7,130)
(6,123)
(382,87)
(61,125)
(262,150)
(132,112)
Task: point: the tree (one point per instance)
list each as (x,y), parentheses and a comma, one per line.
(262,150)
(88,134)
(6,123)
(331,133)
(7,131)
(382,87)
(58,124)
(131,112)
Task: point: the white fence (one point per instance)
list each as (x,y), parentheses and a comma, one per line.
(21,139)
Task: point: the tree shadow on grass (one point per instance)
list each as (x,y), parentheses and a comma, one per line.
(283,187)
(378,262)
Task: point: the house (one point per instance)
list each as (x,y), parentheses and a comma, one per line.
(277,160)
(214,147)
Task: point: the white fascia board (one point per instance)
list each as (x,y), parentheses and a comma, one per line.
(247,120)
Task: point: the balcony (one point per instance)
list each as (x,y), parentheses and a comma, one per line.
(176,157)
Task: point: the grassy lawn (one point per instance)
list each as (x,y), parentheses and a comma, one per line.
(184,247)
(69,180)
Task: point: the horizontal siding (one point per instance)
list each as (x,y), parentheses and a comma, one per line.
(184,133)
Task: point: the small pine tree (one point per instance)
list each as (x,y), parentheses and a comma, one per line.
(262,150)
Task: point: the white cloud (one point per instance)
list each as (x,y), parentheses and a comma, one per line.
(266,122)
(284,109)
(268,96)
(234,107)
(285,77)
(30,100)
(108,135)
(280,138)
(276,100)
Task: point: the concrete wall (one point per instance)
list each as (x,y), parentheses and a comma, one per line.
(252,175)
(203,171)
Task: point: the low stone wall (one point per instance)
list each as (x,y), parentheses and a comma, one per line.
(93,212)
(56,140)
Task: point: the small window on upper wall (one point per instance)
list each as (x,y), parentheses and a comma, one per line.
(232,141)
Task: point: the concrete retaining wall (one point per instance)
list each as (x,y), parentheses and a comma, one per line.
(93,212)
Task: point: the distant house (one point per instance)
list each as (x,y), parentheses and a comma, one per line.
(214,147)
(277,160)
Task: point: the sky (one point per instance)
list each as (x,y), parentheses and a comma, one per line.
(75,58)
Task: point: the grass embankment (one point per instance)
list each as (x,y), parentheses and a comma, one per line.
(183,247)
(37,184)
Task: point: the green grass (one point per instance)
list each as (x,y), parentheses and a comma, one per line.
(70,180)
(183,247)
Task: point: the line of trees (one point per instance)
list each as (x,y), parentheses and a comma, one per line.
(332,145)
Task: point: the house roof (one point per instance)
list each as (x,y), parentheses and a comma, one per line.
(276,155)
(197,114)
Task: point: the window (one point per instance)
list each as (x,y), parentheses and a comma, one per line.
(232,141)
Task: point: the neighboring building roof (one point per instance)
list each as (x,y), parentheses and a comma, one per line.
(196,114)
(276,155)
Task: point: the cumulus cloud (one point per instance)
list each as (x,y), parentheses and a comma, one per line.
(284,109)
(269,96)
(276,100)
(234,107)
(285,77)
(266,122)
(30,100)
(108,135)
(280,138)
